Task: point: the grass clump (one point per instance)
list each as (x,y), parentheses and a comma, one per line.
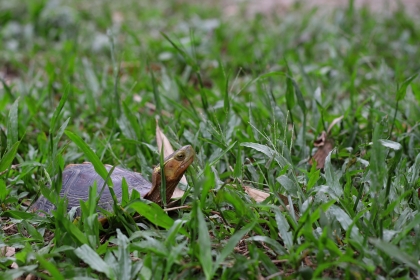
(88,80)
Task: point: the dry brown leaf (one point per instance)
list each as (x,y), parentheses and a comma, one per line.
(8,251)
(14,265)
(117,17)
(260,196)
(325,146)
(308,261)
(257,195)
(178,193)
(161,139)
(30,277)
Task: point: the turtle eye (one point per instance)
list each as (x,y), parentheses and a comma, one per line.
(180,156)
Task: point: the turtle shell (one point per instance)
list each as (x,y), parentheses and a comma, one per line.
(78,178)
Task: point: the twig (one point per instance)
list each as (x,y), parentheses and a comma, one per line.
(176,208)
(274,275)
(15,166)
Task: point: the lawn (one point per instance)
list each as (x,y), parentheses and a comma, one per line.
(305,126)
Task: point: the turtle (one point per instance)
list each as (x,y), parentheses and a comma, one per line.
(78,178)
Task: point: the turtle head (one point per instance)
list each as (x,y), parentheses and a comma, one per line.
(175,166)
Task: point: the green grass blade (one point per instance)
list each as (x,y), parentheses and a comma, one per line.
(213,162)
(281,161)
(172,232)
(7,89)
(89,256)
(93,199)
(71,229)
(204,244)
(207,185)
(3,191)
(50,267)
(237,171)
(231,243)
(299,97)
(189,60)
(415,172)
(133,121)
(115,105)
(56,116)
(17,214)
(289,185)
(226,99)
(377,161)
(16,273)
(232,197)
(344,219)
(153,213)
(390,144)
(60,131)
(313,177)
(90,154)
(125,193)
(274,244)
(290,96)
(402,90)
(283,227)
(12,125)
(123,256)
(163,178)
(396,254)
(156,95)
(407,229)
(7,159)
(333,181)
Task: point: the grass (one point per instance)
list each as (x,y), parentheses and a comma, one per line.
(87,80)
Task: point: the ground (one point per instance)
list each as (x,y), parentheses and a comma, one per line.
(232,7)
(304,122)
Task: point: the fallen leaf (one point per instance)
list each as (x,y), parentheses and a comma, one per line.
(260,196)
(257,195)
(14,265)
(8,251)
(161,139)
(325,146)
(117,17)
(31,277)
(178,193)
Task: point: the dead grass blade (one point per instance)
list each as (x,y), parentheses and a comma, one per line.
(325,145)
(161,139)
